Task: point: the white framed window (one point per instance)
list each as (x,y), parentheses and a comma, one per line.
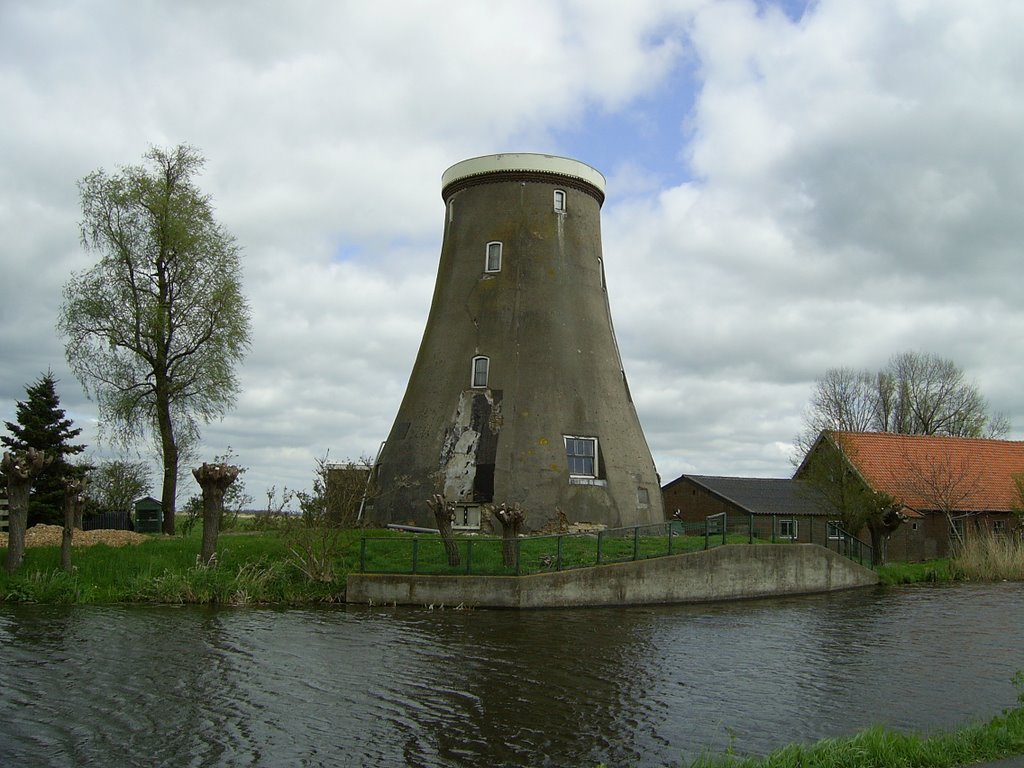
(467,517)
(481,369)
(999,527)
(581,456)
(788,529)
(834,531)
(560,200)
(492,258)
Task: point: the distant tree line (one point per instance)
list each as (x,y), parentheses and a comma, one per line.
(917,393)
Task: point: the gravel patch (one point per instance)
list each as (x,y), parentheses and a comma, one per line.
(51,535)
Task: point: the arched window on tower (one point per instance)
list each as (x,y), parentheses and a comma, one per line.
(492,261)
(560,200)
(481,368)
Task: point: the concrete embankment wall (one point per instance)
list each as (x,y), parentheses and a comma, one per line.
(731,572)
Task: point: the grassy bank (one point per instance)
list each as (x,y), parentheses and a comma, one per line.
(290,564)
(251,567)
(1003,736)
(932,571)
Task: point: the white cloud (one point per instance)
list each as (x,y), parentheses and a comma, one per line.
(854,191)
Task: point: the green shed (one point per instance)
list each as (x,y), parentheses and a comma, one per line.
(149,515)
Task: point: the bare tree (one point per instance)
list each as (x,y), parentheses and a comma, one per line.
(511,519)
(74,495)
(153,331)
(214,479)
(916,394)
(444,514)
(19,467)
(944,483)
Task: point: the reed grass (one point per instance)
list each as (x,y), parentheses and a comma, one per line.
(988,557)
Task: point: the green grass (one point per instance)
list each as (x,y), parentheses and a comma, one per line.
(250,568)
(537,554)
(1003,736)
(931,571)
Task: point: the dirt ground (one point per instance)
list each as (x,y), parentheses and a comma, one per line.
(50,536)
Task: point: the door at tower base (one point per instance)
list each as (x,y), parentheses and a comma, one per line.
(518,393)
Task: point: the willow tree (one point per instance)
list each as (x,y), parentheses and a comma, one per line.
(155,328)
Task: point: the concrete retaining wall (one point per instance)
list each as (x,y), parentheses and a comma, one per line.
(731,572)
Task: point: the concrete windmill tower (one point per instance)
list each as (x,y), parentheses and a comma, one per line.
(518,392)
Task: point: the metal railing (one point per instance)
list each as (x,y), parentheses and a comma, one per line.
(482,555)
(539,554)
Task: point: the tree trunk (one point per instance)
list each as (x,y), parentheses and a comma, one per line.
(17,520)
(169,449)
(69,528)
(444,513)
(511,519)
(20,467)
(73,491)
(214,479)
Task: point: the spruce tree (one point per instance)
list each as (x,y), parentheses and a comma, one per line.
(41,424)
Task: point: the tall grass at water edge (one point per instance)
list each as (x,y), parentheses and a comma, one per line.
(877,747)
(987,557)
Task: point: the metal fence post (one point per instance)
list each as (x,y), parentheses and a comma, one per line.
(636,543)
(670,537)
(599,539)
(362,554)
(750,528)
(415,552)
(469,555)
(558,556)
(519,547)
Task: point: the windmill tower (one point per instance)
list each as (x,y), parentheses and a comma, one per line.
(518,392)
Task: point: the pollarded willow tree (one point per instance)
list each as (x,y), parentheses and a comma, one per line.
(155,329)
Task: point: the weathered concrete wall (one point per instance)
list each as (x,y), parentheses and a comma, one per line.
(731,572)
(543,320)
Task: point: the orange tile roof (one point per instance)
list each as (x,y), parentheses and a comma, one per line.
(925,472)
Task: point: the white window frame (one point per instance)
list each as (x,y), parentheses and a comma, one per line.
(479,375)
(833,530)
(559,200)
(1000,528)
(467,517)
(793,524)
(495,265)
(581,456)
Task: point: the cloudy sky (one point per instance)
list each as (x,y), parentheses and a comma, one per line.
(792,186)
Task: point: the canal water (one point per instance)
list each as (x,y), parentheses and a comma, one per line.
(362,686)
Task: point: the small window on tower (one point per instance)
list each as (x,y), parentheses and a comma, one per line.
(581,455)
(493,261)
(481,367)
(560,200)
